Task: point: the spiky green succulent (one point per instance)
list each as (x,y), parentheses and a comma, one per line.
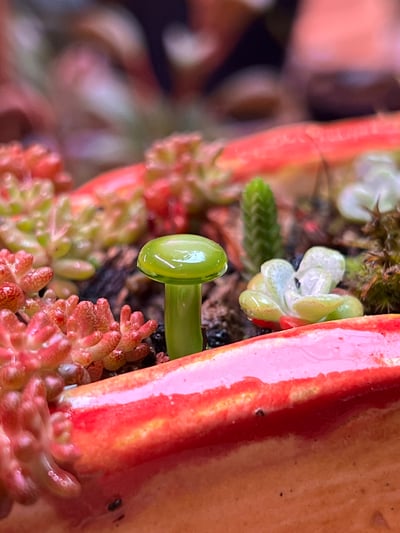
(262,238)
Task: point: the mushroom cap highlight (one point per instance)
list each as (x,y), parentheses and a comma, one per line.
(183,259)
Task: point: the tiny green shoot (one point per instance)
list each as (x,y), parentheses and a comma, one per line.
(262,238)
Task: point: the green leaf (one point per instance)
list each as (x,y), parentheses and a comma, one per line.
(315,308)
(327,259)
(258,305)
(277,273)
(350,307)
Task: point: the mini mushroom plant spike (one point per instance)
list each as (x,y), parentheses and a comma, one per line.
(182,262)
(280,297)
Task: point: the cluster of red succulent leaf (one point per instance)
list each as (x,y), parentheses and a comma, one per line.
(45,344)
(182,179)
(34,162)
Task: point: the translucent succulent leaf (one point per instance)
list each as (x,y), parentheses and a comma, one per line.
(330,261)
(380,175)
(387,199)
(350,307)
(371,160)
(25,224)
(258,305)
(315,308)
(16,240)
(354,202)
(61,247)
(75,269)
(378,185)
(257,283)
(277,273)
(314,282)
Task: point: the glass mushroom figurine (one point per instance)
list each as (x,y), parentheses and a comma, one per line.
(182,262)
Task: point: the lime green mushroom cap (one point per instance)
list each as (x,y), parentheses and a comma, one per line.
(183,259)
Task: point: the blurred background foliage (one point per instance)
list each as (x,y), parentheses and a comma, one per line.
(99,81)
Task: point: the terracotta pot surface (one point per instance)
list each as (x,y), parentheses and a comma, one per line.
(297,430)
(285,155)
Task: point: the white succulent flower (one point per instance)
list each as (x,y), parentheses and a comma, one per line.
(377,185)
(279,290)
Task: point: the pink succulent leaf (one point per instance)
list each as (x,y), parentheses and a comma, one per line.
(16,264)
(5,272)
(17,340)
(83,320)
(11,296)
(23,262)
(25,349)
(9,323)
(138,353)
(90,340)
(35,280)
(18,279)
(40,333)
(61,427)
(60,310)
(54,384)
(50,356)
(104,315)
(134,331)
(114,360)
(63,453)
(19,485)
(55,479)
(36,161)
(129,319)
(33,442)
(12,376)
(75,374)
(105,346)
(5,355)
(183,169)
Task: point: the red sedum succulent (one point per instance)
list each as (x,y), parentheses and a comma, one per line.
(34,442)
(34,162)
(45,344)
(182,179)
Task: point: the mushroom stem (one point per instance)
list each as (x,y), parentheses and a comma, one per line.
(183,307)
